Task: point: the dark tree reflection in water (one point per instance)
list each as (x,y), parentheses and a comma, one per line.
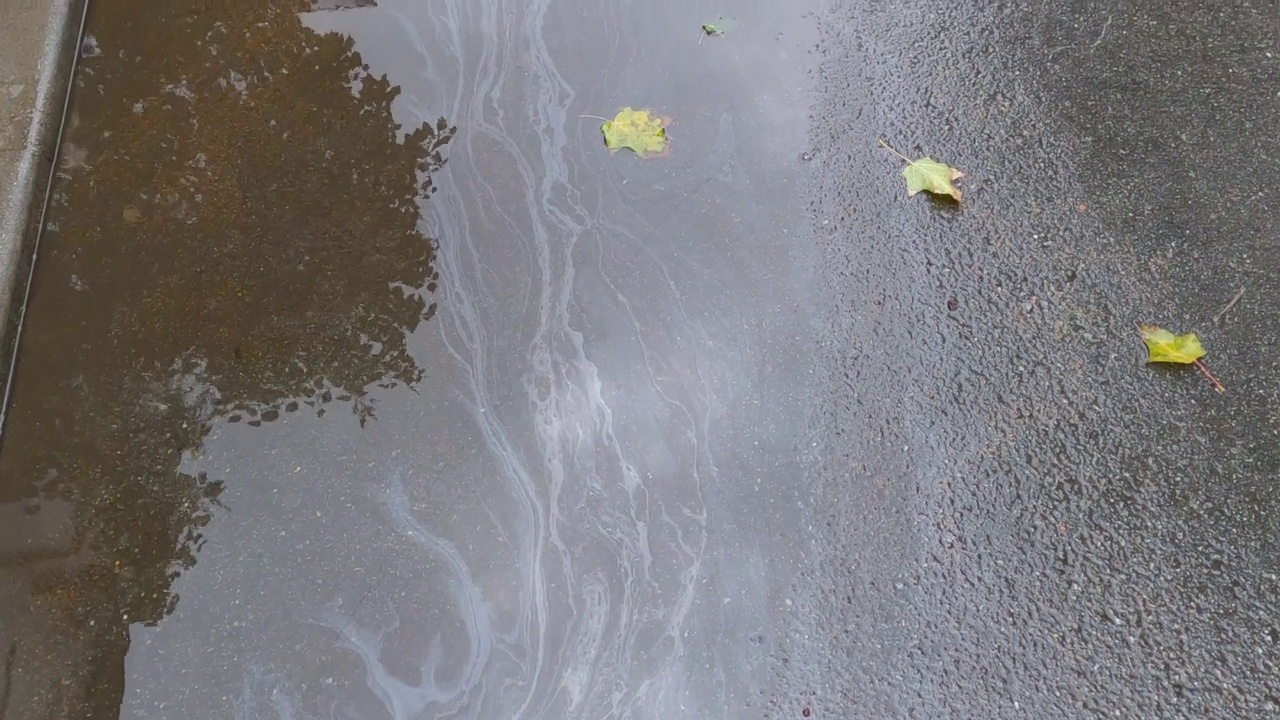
(234,234)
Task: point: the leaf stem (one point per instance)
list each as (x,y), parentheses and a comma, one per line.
(1216,385)
(886,146)
(594,117)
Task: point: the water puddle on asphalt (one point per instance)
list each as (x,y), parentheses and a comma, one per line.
(341,401)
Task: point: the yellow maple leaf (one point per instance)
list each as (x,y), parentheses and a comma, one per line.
(637,130)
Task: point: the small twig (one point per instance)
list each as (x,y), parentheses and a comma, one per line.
(1102,34)
(1217,319)
(1077,46)
(1216,385)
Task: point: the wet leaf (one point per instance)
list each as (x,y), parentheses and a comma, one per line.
(637,130)
(1164,346)
(931,176)
(928,175)
(719,26)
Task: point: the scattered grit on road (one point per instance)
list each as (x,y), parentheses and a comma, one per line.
(1021,519)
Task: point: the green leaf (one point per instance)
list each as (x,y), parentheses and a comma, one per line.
(931,176)
(636,130)
(1164,346)
(719,26)
(927,175)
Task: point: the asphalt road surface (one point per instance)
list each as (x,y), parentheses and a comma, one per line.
(342,401)
(1020,520)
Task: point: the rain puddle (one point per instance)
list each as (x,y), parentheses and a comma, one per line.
(352,396)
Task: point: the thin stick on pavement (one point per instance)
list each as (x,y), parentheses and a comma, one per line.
(1217,319)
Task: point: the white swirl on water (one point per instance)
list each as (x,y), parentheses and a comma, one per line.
(596,421)
(402,699)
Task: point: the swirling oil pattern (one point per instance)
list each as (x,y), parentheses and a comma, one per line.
(592,505)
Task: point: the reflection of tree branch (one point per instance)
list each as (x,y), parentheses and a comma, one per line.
(326,5)
(241,224)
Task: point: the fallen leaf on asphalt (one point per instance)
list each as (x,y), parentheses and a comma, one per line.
(637,130)
(1166,347)
(928,175)
(712,29)
(931,176)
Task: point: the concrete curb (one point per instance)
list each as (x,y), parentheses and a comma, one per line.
(23,205)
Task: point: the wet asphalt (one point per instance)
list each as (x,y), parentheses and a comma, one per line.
(1020,519)
(351,397)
